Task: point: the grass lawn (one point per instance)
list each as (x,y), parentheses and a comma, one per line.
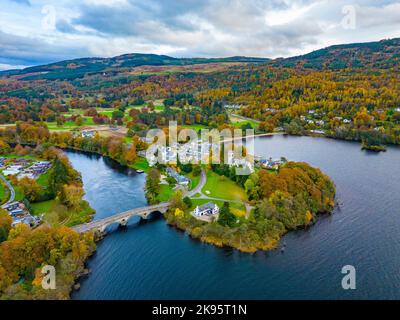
(223,188)
(43,179)
(43,207)
(238,209)
(166,193)
(19,196)
(69,125)
(195,127)
(55,214)
(141,164)
(158,108)
(238,122)
(15,156)
(106,111)
(4,193)
(194,179)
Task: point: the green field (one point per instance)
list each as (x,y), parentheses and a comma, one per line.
(43,179)
(239,122)
(194,179)
(43,207)
(69,125)
(158,108)
(4,193)
(141,164)
(108,112)
(166,193)
(19,196)
(195,127)
(56,214)
(223,188)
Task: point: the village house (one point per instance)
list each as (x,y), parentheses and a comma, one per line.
(208,209)
(20,214)
(181,180)
(272,164)
(88,134)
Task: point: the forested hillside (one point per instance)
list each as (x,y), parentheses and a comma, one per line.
(346,91)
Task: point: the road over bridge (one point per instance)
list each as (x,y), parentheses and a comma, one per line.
(121,218)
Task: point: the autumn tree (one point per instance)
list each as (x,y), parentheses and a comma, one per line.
(4,147)
(226,217)
(30,188)
(5,225)
(153,185)
(71,195)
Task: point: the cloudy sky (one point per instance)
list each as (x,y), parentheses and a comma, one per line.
(35,32)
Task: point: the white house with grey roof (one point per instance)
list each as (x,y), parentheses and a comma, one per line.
(207,209)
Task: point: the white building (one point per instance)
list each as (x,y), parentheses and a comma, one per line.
(88,134)
(208,209)
(12,170)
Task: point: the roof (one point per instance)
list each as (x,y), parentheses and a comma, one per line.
(207,206)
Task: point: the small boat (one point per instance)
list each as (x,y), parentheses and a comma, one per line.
(139,171)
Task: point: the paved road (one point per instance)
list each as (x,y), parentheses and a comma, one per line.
(199,187)
(10,187)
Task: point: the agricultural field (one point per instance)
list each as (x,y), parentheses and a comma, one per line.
(239,121)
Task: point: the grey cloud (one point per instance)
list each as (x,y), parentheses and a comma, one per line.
(17,50)
(205,28)
(198,26)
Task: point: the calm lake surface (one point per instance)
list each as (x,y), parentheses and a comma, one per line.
(150,260)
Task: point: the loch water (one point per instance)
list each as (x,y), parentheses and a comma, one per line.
(150,260)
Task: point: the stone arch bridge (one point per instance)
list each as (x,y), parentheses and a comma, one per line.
(121,218)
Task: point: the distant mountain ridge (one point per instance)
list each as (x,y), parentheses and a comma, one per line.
(382,54)
(81,66)
(379,54)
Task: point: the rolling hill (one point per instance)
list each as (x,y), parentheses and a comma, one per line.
(71,69)
(380,54)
